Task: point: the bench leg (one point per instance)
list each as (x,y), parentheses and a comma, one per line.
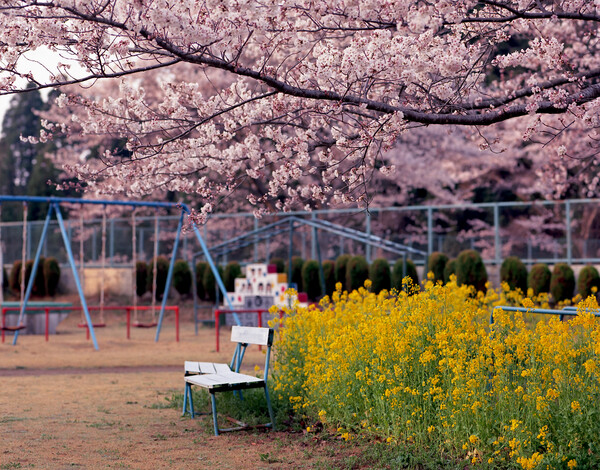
(191,401)
(214,412)
(271,415)
(188,401)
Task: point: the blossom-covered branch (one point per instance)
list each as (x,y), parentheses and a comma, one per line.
(309,95)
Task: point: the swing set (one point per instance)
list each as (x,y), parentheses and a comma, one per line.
(54,204)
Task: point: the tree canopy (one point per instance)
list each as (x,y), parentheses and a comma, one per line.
(311,96)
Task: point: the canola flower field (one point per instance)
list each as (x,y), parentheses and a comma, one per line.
(425,369)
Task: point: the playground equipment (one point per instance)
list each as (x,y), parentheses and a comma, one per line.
(54,208)
(100,323)
(20,325)
(289,224)
(136,321)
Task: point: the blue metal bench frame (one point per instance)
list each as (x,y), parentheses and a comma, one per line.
(566,311)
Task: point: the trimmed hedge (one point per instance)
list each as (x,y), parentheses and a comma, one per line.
(311,280)
(232,271)
(280,263)
(588,278)
(162,269)
(470,270)
(398,274)
(562,282)
(514,273)
(39,286)
(200,269)
(141,278)
(14,281)
(297,263)
(51,271)
(450,269)
(46,278)
(182,277)
(539,278)
(340,270)
(436,265)
(210,283)
(357,272)
(329,273)
(379,273)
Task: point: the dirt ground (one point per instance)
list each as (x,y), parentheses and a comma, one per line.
(65,405)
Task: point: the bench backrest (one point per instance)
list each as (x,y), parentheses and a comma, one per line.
(252,335)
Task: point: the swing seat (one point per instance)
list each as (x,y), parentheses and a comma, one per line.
(95,325)
(13,328)
(139,324)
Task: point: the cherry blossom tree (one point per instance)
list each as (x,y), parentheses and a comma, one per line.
(312,95)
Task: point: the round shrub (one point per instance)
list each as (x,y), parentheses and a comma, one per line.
(398,274)
(588,278)
(162,269)
(200,269)
(470,270)
(311,279)
(279,263)
(340,270)
(182,277)
(141,278)
(436,265)
(14,281)
(39,288)
(210,283)
(379,273)
(450,269)
(232,271)
(51,270)
(329,273)
(297,263)
(562,282)
(539,278)
(357,272)
(514,273)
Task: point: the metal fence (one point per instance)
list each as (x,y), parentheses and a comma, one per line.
(542,231)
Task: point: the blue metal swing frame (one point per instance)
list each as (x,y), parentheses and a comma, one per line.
(54,204)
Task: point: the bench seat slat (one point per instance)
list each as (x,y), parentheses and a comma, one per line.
(192,367)
(219,380)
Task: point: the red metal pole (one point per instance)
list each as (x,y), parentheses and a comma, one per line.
(177,323)
(3,322)
(217,313)
(47,313)
(260,312)
(128,323)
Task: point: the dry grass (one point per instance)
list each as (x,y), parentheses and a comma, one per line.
(65,405)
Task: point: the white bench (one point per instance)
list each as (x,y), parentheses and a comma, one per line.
(216,377)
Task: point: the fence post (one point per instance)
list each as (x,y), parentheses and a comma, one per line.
(368,230)
(429,231)
(497,247)
(313,238)
(255,241)
(568,224)
(111,246)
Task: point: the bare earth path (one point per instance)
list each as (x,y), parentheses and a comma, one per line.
(65,405)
